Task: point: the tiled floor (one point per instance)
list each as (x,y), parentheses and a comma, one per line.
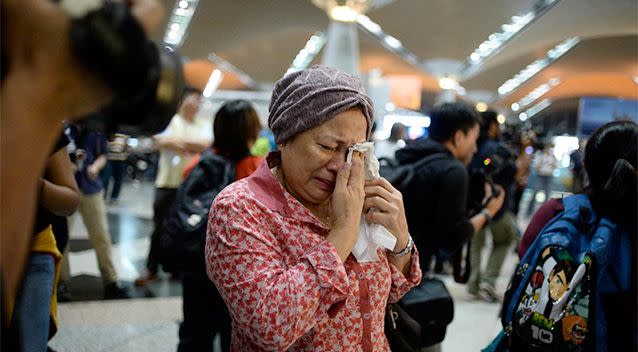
(150,321)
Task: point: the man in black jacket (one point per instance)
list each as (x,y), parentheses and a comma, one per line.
(436,199)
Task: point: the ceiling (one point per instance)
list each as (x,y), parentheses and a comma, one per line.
(262,37)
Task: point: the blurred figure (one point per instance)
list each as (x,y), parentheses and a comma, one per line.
(236,129)
(115,168)
(523,162)
(184,137)
(544,164)
(610,160)
(497,163)
(436,204)
(396,141)
(35,313)
(89,156)
(579,176)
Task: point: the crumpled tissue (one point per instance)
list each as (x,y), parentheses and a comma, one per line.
(371,236)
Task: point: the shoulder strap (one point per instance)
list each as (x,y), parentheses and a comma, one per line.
(428,159)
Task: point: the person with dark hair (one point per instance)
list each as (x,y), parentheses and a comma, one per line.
(496,163)
(235,129)
(387,148)
(185,136)
(611,158)
(279,242)
(436,201)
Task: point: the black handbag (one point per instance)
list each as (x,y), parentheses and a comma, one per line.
(421,318)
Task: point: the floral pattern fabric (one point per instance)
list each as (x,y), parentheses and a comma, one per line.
(284,284)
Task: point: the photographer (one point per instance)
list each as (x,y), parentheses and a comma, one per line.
(495,164)
(436,202)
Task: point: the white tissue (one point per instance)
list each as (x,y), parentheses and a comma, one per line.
(371,236)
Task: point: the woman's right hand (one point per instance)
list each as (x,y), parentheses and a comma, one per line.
(346,206)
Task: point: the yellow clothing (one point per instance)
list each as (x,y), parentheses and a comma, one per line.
(44,243)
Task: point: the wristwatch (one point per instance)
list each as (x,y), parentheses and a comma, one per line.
(404,251)
(486,214)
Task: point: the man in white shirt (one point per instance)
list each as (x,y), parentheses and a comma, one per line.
(184,137)
(544,164)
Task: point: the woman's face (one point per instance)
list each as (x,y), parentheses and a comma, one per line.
(310,161)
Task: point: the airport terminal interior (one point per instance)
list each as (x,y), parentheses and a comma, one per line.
(550,71)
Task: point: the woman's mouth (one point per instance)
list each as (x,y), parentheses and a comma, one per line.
(325,185)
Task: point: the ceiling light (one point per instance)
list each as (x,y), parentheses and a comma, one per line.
(481,106)
(179,22)
(529,113)
(538,92)
(392,42)
(343,14)
(515,107)
(366,22)
(501,118)
(535,67)
(522,116)
(308,52)
(447,82)
(508,32)
(389,107)
(636,79)
(213,82)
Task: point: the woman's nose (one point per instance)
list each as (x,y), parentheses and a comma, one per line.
(337,160)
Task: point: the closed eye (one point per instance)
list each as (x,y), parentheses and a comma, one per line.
(326,147)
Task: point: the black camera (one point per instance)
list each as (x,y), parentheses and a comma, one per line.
(498,168)
(146,80)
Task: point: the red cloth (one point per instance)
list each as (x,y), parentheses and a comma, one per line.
(243,168)
(284,284)
(541,217)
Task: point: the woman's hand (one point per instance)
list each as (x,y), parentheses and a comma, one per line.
(383,205)
(346,205)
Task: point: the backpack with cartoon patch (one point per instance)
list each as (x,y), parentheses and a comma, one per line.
(555,299)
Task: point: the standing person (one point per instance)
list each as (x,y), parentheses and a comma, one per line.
(544,164)
(90,157)
(610,161)
(185,136)
(396,141)
(501,168)
(35,313)
(436,201)
(115,167)
(236,128)
(279,241)
(523,162)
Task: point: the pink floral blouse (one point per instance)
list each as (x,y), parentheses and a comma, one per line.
(284,284)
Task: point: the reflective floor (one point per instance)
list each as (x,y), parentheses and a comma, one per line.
(150,320)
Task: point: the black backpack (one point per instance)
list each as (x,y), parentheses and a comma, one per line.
(184,233)
(401,175)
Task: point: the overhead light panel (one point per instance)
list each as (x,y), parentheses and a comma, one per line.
(535,67)
(481,106)
(537,92)
(447,82)
(508,31)
(230,68)
(308,52)
(179,22)
(529,113)
(501,119)
(214,81)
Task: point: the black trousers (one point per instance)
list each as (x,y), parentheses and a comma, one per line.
(164,198)
(205,315)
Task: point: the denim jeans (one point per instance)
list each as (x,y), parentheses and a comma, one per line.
(31,314)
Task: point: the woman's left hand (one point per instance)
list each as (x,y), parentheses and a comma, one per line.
(388,211)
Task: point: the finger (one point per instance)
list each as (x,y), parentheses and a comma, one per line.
(357,173)
(371,190)
(378,203)
(377,217)
(382,182)
(342,177)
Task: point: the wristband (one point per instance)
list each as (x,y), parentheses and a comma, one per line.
(486,214)
(405,251)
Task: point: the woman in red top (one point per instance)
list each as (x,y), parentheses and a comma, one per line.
(279,242)
(235,129)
